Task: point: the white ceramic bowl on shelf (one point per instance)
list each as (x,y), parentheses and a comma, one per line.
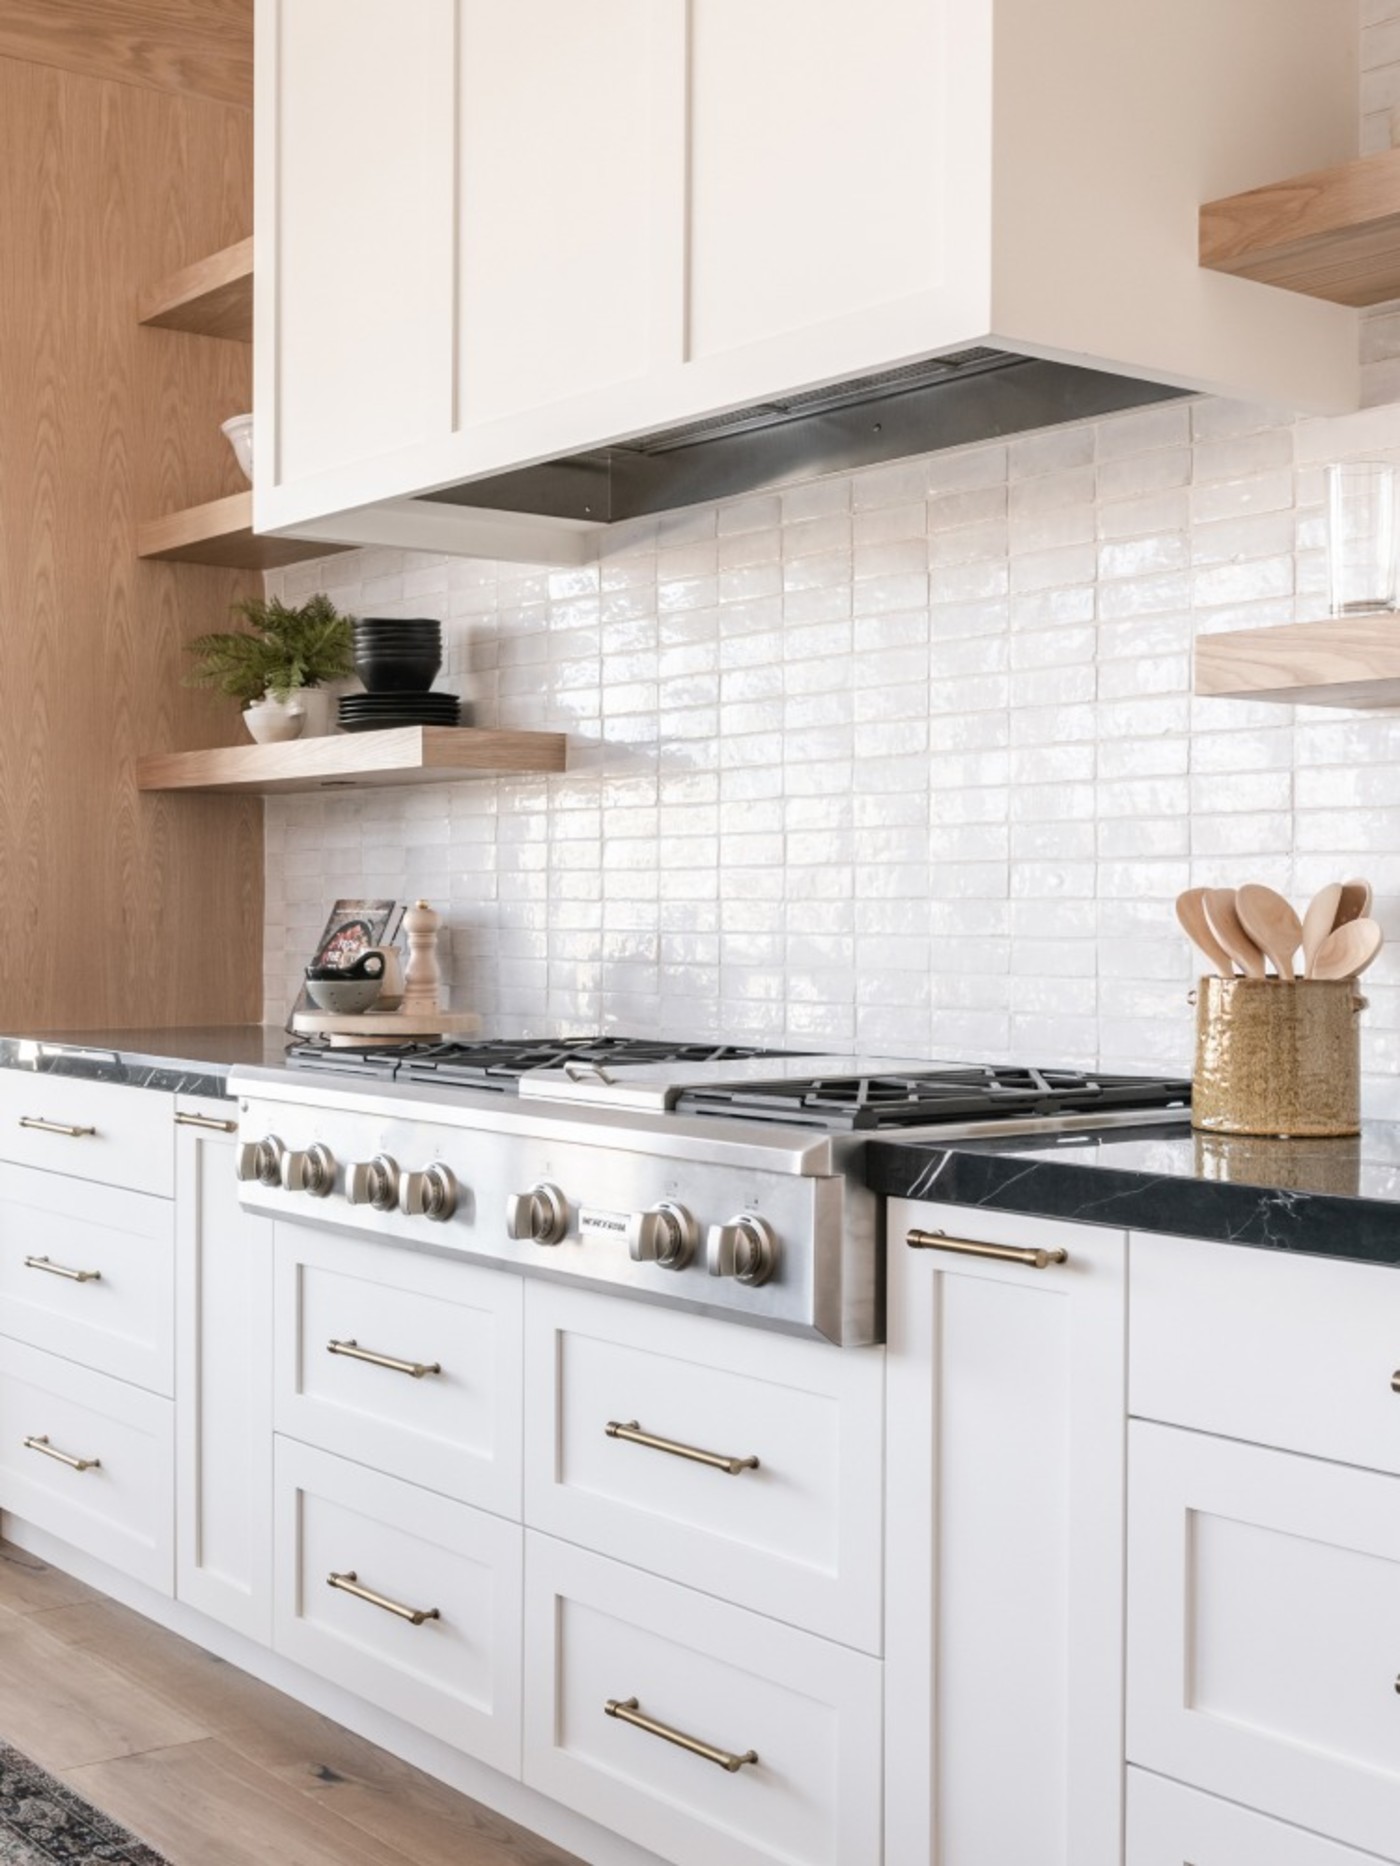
(239,430)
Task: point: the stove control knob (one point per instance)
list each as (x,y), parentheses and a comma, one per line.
(744,1248)
(429,1194)
(667,1234)
(312,1172)
(539,1216)
(260,1160)
(373,1182)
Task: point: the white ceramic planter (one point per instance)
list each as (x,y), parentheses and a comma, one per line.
(273,722)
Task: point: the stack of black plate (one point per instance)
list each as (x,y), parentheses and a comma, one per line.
(377,712)
(398,660)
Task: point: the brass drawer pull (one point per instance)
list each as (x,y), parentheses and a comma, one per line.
(1395,1381)
(348,1584)
(57,1269)
(62,1457)
(626,1711)
(999,1253)
(208,1122)
(42,1126)
(354,1352)
(632,1434)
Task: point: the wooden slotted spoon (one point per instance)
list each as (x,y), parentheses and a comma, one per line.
(1271,923)
(1224,922)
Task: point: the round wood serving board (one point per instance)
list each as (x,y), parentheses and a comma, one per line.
(384,1026)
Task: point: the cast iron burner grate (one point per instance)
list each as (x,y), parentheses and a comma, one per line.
(925,1100)
(499,1063)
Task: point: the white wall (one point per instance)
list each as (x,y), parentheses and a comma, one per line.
(907,760)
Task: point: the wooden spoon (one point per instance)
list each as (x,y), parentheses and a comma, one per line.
(1355,903)
(1191,912)
(1224,923)
(1271,923)
(1319,921)
(1348,950)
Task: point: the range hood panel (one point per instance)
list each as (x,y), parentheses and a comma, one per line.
(986,395)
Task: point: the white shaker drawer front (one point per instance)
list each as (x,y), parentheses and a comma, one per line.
(693,1727)
(742,1463)
(1169,1825)
(1298,1352)
(1264,1631)
(89,1273)
(402,1360)
(90,1459)
(93,1130)
(408,1599)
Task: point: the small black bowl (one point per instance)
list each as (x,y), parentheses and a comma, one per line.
(384,671)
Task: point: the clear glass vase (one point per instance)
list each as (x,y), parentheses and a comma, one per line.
(1362,535)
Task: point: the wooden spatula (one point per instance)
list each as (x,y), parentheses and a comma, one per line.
(1224,922)
(1271,923)
(1348,950)
(1191,912)
(1355,903)
(1319,921)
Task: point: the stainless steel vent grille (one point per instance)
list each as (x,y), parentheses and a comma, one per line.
(836,395)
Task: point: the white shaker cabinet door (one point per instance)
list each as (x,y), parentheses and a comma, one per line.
(1004,1536)
(354,254)
(223,1415)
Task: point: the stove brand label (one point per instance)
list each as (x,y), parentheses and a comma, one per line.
(593,1223)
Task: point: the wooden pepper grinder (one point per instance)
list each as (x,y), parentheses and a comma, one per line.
(422,979)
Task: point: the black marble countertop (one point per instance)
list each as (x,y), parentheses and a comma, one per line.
(190,1060)
(1332,1198)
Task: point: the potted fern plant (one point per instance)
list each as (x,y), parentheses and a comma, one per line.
(274,666)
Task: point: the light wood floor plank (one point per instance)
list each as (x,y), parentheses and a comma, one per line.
(204,1805)
(64,1707)
(28,1585)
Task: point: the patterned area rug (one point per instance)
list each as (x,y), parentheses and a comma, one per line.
(43,1823)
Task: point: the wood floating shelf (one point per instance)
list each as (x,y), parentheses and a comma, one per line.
(1343,661)
(350,760)
(212,298)
(221,533)
(1334,233)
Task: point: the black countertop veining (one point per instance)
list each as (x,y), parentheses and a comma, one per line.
(1331,1198)
(190,1060)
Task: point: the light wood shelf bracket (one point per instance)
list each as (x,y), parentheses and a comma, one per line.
(351,760)
(212,298)
(1334,233)
(1351,661)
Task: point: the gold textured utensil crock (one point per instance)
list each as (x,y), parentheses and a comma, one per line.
(1277,1058)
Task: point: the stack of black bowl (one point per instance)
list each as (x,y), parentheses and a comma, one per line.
(398,661)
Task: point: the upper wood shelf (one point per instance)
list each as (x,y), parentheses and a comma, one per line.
(347,760)
(1342,661)
(1332,234)
(212,298)
(221,532)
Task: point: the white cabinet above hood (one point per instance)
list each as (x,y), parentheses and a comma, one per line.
(526,268)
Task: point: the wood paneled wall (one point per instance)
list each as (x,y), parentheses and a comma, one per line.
(122,909)
(201,47)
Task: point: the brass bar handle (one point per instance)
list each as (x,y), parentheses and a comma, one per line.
(206,1121)
(1395,1381)
(1033,1259)
(354,1352)
(631,1433)
(57,1269)
(42,1126)
(348,1583)
(62,1457)
(626,1710)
